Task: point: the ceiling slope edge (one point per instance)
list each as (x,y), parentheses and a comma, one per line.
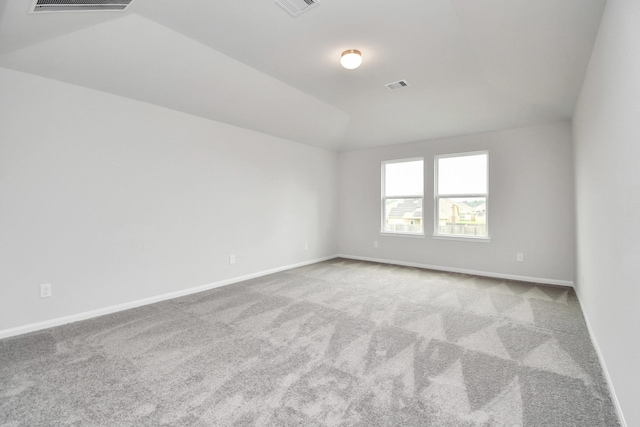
(137,58)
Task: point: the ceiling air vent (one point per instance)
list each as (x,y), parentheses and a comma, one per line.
(79,5)
(296,7)
(397,85)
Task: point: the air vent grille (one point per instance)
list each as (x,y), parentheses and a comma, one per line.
(296,7)
(397,85)
(79,5)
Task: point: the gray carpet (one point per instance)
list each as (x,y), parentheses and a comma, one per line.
(339,343)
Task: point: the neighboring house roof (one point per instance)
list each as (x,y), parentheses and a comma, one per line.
(446,204)
(411,208)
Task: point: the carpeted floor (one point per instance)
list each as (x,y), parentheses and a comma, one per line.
(339,343)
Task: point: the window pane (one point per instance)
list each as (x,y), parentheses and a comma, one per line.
(462,216)
(403,178)
(403,215)
(462,175)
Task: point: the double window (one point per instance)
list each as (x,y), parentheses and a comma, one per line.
(460,198)
(402,196)
(461,195)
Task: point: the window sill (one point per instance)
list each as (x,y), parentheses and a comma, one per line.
(386,233)
(463,238)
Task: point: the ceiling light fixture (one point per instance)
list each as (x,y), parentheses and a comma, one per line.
(351,59)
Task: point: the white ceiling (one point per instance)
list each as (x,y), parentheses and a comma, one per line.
(472,66)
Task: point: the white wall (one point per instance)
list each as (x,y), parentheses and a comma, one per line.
(607,167)
(112,200)
(531,205)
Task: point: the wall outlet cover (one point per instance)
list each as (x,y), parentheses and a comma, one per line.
(45,290)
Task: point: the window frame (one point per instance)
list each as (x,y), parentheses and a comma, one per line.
(384,198)
(437,197)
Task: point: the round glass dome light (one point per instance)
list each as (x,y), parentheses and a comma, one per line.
(351,59)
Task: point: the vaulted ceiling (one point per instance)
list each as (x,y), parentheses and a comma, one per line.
(472,66)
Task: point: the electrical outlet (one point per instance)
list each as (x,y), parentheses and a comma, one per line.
(375,244)
(520,257)
(306,246)
(232,259)
(45,290)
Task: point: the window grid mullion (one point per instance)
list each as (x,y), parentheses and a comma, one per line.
(460,196)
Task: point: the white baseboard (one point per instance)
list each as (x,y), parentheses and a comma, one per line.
(138,303)
(594,341)
(32,327)
(555,282)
